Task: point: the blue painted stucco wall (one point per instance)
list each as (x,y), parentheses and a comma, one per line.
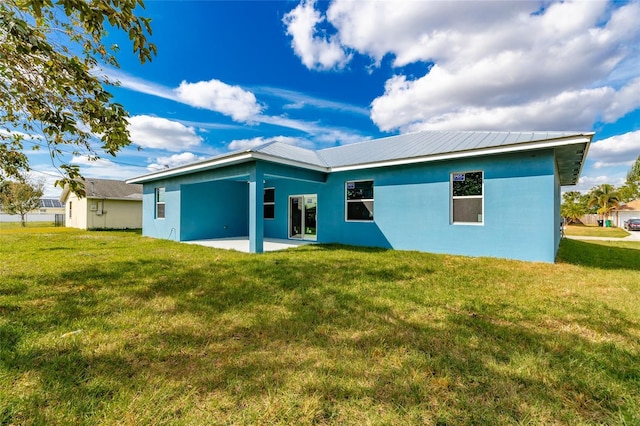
(207,214)
(412,206)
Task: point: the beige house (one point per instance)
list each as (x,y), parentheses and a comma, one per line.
(109,204)
(625,212)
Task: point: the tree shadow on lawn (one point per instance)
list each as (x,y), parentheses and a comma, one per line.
(597,255)
(280,329)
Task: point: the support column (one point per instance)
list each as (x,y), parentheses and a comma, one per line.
(256,209)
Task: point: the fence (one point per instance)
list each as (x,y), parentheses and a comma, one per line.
(59,219)
(591,219)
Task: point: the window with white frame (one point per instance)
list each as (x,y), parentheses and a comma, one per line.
(70,209)
(359,200)
(467,199)
(269,203)
(159,203)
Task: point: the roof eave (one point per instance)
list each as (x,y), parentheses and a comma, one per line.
(552,143)
(237,158)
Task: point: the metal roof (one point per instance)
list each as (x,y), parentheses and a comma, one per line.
(291,152)
(570,147)
(425,144)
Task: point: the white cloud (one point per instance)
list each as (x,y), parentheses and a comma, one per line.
(242,144)
(301,100)
(160,133)
(497,65)
(105,169)
(215,95)
(174,160)
(620,150)
(585,183)
(316,52)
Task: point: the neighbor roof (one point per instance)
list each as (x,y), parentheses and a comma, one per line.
(630,206)
(50,203)
(571,150)
(107,189)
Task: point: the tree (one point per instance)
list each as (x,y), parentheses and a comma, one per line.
(634,173)
(605,197)
(51,93)
(631,189)
(572,207)
(20,197)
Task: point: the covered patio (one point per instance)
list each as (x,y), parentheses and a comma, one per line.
(241,244)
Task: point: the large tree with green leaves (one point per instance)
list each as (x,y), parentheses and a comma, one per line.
(631,189)
(605,197)
(572,207)
(20,197)
(51,92)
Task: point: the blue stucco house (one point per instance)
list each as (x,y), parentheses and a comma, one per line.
(469,193)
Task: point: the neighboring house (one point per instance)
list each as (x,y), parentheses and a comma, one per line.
(47,211)
(625,212)
(470,193)
(108,204)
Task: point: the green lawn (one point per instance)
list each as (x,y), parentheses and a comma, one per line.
(9,226)
(595,231)
(115,328)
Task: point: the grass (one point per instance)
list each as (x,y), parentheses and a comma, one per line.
(115,328)
(595,231)
(10,226)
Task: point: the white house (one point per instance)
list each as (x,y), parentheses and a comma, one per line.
(625,212)
(108,204)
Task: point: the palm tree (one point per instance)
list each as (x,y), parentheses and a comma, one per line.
(605,197)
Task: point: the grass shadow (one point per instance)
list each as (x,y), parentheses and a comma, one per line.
(601,255)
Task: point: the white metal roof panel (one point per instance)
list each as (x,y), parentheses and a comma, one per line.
(426,144)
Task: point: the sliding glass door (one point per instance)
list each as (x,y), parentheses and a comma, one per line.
(302,217)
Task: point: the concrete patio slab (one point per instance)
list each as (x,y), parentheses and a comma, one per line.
(242,243)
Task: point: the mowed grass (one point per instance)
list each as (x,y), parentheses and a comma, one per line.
(595,231)
(13,226)
(116,328)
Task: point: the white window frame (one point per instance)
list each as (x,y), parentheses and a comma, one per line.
(157,202)
(269,203)
(462,197)
(347,201)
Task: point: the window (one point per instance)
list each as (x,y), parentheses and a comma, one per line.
(359,200)
(467,197)
(70,208)
(159,203)
(269,203)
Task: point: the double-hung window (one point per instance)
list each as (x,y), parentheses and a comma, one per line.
(159,203)
(467,199)
(269,203)
(359,200)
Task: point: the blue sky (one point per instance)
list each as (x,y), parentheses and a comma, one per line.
(231,75)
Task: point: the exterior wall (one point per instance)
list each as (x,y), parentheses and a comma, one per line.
(412,206)
(116,214)
(78,207)
(170,227)
(207,214)
(412,209)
